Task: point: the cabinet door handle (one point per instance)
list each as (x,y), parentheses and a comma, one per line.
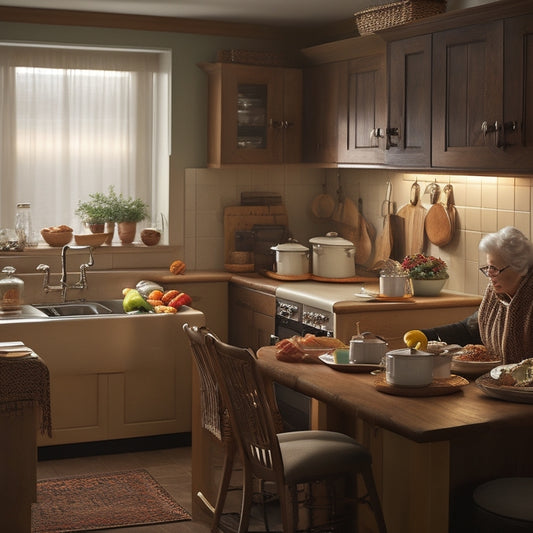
(499,129)
(393,132)
(276,124)
(376,133)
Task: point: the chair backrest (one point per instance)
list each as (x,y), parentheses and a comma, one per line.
(215,418)
(244,394)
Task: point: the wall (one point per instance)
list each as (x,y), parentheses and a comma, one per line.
(484,204)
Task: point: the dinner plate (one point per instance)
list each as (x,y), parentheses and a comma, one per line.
(15,353)
(354,368)
(365,296)
(510,394)
(472,368)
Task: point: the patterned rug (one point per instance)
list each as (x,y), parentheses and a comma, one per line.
(102,501)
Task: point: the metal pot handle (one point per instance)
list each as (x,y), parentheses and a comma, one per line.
(373,335)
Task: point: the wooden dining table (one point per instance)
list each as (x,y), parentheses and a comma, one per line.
(429,451)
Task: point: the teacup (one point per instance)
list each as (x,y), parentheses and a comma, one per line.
(395,286)
(442,364)
(367,351)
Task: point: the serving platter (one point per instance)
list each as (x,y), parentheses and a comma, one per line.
(352,368)
(488,384)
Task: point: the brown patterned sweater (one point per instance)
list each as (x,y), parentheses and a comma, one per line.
(506,324)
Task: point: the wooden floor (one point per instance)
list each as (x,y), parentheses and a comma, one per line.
(171,467)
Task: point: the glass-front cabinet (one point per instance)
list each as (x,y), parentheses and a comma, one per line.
(255,114)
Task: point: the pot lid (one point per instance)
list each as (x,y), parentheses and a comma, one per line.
(291,246)
(408,352)
(331,239)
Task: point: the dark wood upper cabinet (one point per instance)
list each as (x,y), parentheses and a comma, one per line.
(467,96)
(255,114)
(409,89)
(362,110)
(321,94)
(516,137)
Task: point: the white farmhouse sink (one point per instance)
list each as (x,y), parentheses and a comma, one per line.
(112,375)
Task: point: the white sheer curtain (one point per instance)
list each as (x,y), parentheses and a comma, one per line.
(74,122)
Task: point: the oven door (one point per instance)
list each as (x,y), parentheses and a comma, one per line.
(294,407)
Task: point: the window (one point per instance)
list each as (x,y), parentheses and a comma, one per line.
(75,121)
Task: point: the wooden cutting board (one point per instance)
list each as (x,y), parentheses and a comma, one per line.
(413,214)
(440,219)
(383,247)
(244,218)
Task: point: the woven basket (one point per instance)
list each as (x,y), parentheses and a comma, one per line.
(389,15)
(251,57)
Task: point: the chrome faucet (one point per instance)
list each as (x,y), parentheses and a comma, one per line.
(63,284)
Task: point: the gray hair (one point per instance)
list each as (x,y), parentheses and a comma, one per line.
(512,245)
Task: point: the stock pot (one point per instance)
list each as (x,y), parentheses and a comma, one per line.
(292,259)
(333,256)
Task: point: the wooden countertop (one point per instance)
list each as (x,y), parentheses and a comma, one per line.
(421,419)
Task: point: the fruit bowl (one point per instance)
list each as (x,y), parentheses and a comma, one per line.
(56,238)
(91,239)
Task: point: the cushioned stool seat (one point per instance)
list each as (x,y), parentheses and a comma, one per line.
(506,504)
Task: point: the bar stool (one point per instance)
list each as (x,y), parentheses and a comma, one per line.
(504,505)
(291,460)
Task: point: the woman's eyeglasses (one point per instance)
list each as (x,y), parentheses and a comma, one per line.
(490,270)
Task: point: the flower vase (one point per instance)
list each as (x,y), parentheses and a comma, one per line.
(126,232)
(428,287)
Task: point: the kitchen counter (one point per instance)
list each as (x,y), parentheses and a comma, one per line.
(428,452)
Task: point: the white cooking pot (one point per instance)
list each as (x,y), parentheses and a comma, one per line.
(333,256)
(408,367)
(292,259)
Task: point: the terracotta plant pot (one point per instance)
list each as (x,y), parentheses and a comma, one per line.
(126,232)
(110,230)
(96,228)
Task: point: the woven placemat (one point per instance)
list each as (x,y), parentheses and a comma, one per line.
(439,387)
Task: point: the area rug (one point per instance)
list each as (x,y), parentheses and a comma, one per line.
(103,501)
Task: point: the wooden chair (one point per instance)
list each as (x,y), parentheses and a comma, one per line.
(504,505)
(214,416)
(290,460)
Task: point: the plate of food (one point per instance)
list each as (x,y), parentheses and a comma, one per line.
(473,360)
(306,349)
(513,383)
(359,368)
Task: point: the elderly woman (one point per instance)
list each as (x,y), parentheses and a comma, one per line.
(504,321)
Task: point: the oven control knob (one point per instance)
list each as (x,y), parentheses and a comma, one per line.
(286,310)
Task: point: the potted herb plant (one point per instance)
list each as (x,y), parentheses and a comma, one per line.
(94,212)
(127,212)
(428,273)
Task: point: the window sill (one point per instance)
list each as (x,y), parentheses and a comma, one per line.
(106,257)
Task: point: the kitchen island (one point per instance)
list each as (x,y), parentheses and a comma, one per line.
(428,452)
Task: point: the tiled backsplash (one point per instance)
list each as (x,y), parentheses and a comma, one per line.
(484,204)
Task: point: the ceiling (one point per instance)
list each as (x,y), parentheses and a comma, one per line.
(270,12)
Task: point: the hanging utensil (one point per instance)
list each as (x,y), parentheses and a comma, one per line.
(323,204)
(440,219)
(413,214)
(384,240)
(339,208)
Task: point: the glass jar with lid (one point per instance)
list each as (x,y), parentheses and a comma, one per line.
(11,292)
(23,225)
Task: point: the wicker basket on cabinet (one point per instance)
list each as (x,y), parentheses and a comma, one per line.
(389,15)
